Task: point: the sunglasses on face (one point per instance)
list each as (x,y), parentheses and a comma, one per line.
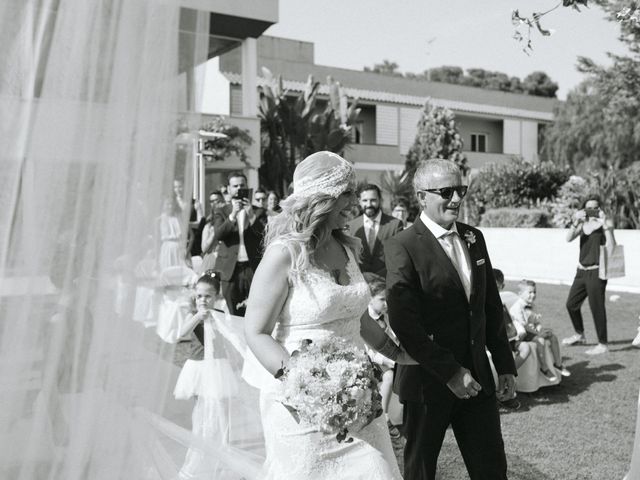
(447,192)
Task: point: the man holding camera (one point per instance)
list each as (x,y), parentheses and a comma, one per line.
(239,228)
(594,230)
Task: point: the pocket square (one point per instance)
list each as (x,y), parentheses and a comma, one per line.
(480,262)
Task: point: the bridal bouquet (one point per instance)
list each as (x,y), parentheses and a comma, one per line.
(333,386)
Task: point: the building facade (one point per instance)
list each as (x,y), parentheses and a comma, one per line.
(495,126)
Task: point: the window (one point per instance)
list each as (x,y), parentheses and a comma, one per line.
(478,142)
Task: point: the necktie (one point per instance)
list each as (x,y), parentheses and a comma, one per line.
(458,260)
(371,235)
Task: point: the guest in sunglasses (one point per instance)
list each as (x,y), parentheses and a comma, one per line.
(445,309)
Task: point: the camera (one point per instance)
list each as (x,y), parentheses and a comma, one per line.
(592,212)
(243,193)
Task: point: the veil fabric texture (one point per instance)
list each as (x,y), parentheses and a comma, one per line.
(91,93)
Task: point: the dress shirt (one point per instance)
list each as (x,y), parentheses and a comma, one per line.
(242,220)
(371,228)
(454,247)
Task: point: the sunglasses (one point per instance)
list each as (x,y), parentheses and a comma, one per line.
(447,192)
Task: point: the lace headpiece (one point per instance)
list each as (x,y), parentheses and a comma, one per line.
(323,172)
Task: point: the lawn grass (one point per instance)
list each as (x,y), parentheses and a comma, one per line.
(583,428)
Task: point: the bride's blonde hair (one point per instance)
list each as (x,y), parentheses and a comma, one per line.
(302,224)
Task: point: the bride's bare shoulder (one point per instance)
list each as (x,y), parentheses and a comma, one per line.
(277,255)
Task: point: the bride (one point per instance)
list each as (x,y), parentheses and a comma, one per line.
(309,286)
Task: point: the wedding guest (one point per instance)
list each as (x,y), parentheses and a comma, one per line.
(181,204)
(373,228)
(209,247)
(523,314)
(172,249)
(400,210)
(377,312)
(239,228)
(260,199)
(521,349)
(273,203)
(594,229)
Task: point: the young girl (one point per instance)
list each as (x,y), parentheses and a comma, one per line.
(531,329)
(211,381)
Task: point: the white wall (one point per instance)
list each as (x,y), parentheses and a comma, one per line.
(543,254)
(520,137)
(386,125)
(409,118)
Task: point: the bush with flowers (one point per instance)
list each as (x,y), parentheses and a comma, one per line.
(333,386)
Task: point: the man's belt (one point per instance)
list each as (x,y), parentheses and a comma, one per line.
(590,267)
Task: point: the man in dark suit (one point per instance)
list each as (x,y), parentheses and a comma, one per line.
(239,228)
(373,228)
(445,308)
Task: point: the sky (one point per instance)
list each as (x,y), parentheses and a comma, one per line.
(421,34)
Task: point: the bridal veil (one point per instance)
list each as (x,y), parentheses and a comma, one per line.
(91,95)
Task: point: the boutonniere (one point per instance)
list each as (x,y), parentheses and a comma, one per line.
(469,237)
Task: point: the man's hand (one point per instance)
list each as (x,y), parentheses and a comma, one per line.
(506,387)
(463,385)
(236,205)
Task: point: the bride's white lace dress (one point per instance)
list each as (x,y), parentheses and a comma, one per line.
(317,307)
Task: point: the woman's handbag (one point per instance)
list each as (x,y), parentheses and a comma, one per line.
(611,262)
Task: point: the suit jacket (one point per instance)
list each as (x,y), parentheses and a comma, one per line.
(373,261)
(226,232)
(433,319)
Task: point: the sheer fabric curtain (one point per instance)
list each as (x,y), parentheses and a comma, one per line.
(90,100)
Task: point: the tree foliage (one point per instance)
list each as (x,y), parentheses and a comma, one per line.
(232,141)
(437,136)
(295,126)
(517,184)
(536,83)
(539,84)
(385,68)
(599,124)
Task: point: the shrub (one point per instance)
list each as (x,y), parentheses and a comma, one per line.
(517,184)
(569,199)
(515,217)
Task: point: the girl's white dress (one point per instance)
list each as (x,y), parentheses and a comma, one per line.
(316,308)
(213,384)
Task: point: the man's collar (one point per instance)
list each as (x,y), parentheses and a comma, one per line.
(375,219)
(436,229)
(372,314)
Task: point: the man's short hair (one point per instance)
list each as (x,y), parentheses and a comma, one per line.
(499,276)
(370,186)
(376,283)
(236,175)
(435,166)
(260,190)
(216,192)
(524,283)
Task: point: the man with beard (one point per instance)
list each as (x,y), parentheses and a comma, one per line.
(373,228)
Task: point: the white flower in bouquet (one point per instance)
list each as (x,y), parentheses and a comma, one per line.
(333,386)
